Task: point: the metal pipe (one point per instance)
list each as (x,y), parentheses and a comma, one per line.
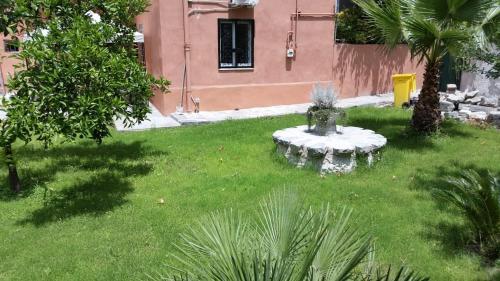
(209,2)
(2,82)
(214,10)
(296,24)
(187,54)
(300,14)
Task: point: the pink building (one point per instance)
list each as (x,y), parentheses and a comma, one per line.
(7,49)
(238,56)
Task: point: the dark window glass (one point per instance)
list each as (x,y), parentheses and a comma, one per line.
(243,44)
(226,44)
(141,53)
(236,43)
(10,46)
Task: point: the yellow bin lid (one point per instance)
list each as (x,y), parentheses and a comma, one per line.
(395,76)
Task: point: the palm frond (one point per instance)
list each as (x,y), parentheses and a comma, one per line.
(287,243)
(219,238)
(402,274)
(454,11)
(478,199)
(344,248)
(452,39)
(488,29)
(423,37)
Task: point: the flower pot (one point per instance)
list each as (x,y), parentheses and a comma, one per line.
(328,126)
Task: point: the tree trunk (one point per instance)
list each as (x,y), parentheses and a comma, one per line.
(427,114)
(15,183)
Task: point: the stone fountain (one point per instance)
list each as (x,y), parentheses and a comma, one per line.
(327,147)
(335,152)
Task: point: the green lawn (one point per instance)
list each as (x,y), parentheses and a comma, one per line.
(92,213)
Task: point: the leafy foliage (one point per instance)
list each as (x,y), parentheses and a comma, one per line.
(484,57)
(77,75)
(75,85)
(324,96)
(287,242)
(432,29)
(353,27)
(323,110)
(478,198)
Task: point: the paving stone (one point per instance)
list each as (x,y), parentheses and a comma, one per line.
(446,106)
(479,115)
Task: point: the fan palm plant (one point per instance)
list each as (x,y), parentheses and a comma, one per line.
(286,243)
(432,29)
(478,199)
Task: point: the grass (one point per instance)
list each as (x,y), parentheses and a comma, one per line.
(92,212)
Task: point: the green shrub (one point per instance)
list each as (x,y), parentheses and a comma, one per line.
(478,198)
(287,242)
(353,27)
(323,111)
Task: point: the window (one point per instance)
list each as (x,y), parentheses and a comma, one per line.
(236,43)
(10,46)
(141,53)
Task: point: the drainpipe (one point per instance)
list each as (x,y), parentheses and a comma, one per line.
(2,81)
(187,55)
(296,23)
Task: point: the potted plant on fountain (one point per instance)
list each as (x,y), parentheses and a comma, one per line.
(323,112)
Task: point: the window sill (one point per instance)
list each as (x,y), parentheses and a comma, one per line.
(235,69)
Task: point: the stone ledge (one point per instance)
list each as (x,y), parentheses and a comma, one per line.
(334,153)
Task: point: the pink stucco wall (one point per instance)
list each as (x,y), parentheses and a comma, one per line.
(354,69)
(6,64)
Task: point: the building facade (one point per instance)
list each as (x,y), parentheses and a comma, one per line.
(7,62)
(232,57)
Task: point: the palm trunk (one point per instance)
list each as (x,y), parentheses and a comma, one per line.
(15,183)
(427,114)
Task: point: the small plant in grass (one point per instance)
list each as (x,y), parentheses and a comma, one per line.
(478,198)
(323,112)
(287,242)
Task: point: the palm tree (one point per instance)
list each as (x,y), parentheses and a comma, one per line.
(432,29)
(478,198)
(286,243)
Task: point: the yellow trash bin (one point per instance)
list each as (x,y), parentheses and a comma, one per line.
(404,85)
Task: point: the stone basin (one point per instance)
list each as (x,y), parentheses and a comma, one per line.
(333,153)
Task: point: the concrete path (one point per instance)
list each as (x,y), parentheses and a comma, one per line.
(258,112)
(156,120)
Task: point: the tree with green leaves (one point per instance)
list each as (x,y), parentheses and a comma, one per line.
(477,58)
(432,29)
(287,242)
(77,74)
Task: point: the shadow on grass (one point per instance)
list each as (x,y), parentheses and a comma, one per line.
(106,182)
(397,130)
(455,236)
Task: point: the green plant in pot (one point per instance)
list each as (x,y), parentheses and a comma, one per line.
(323,113)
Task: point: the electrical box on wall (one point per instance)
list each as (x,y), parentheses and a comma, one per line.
(243,3)
(290,53)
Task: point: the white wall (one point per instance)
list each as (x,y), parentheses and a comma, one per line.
(475,81)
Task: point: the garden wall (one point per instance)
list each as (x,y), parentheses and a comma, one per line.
(487,87)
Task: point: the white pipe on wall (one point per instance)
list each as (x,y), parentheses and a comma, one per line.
(187,55)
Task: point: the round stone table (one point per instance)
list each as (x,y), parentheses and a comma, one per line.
(333,153)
